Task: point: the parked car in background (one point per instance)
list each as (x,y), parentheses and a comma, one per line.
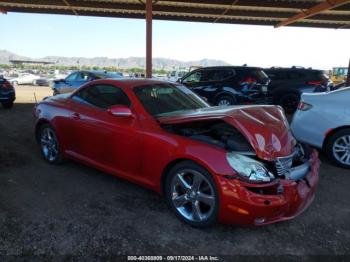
(323,120)
(24,79)
(229,85)
(287,84)
(78,78)
(7,93)
(174,76)
(137,75)
(229,164)
(44,81)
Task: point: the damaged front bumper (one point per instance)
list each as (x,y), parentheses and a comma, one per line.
(260,204)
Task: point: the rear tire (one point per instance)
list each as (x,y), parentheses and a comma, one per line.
(225,101)
(7,104)
(192,195)
(49,144)
(338,148)
(289,102)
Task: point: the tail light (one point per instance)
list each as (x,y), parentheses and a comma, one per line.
(314,83)
(318,83)
(304,106)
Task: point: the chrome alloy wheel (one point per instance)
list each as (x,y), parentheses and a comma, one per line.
(193,195)
(49,144)
(224,102)
(341,149)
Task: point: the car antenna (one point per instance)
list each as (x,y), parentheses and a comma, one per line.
(36,101)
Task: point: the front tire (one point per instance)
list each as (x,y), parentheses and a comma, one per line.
(338,148)
(225,101)
(192,195)
(49,145)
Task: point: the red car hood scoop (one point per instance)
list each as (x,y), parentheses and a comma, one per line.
(265,127)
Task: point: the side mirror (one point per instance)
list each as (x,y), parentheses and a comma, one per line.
(120,111)
(179,80)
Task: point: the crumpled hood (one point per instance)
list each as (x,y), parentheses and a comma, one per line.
(265,127)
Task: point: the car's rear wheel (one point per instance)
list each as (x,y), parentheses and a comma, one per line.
(49,145)
(225,101)
(7,104)
(290,102)
(338,148)
(191,193)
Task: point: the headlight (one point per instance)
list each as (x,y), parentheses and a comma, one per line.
(249,168)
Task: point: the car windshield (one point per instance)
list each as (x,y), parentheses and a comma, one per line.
(166,99)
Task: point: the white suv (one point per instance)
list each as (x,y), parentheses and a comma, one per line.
(24,79)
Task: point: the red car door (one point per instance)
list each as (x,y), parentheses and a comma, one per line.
(101,139)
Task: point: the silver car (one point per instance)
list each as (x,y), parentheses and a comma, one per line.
(323,120)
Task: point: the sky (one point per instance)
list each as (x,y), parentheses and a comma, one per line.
(36,36)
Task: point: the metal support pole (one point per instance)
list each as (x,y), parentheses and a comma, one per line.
(149,38)
(348,78)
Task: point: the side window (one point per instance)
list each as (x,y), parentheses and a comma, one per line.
(99,76)
(82,76)
(272,75)
(293,75)
(193,78)
(72,76)
(282,75)
(219,75)
(102,96)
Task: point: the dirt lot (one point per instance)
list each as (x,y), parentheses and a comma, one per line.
(75,210)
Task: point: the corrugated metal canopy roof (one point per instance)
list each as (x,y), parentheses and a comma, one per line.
(253,12)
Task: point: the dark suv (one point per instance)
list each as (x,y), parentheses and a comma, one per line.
(7,93)
(229,85)
(287,84)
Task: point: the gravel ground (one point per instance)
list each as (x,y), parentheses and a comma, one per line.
(75,211)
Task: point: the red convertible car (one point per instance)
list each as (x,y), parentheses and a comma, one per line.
(237,164)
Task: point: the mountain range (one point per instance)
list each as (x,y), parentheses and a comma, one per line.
(130,62)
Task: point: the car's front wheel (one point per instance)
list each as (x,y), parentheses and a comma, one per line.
(338,148)
(49,145)
(191,193)
(225,101)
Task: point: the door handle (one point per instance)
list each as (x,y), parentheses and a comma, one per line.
(75,116)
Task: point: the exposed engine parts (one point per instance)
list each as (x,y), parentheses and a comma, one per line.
(216,133)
